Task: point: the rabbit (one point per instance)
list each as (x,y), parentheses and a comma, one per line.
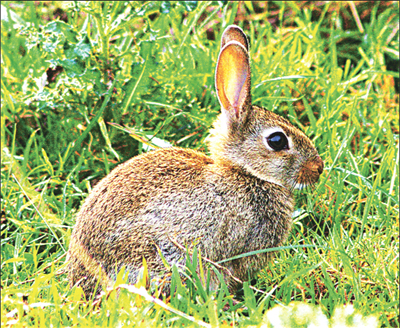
(238,199)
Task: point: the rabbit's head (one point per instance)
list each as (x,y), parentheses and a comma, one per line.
(263,143)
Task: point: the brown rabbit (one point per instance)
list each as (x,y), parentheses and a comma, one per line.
(240,199)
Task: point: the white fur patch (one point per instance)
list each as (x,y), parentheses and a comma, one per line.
(272,180)
(224,121)
(300,186)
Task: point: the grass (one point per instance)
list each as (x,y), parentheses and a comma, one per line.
(80,97)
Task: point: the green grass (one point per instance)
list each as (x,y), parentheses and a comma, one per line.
(121,77)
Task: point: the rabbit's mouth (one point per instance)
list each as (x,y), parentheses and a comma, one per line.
(310,172)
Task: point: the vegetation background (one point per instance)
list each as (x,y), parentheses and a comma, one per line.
(87,85)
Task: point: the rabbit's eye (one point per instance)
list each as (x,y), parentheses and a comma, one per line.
(278,141)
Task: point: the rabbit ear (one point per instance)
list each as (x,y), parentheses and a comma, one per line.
(232,79)
(234,33)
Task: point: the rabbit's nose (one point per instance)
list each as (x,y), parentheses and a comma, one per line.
(320,164)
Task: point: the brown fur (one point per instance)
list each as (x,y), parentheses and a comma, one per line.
(236,201)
